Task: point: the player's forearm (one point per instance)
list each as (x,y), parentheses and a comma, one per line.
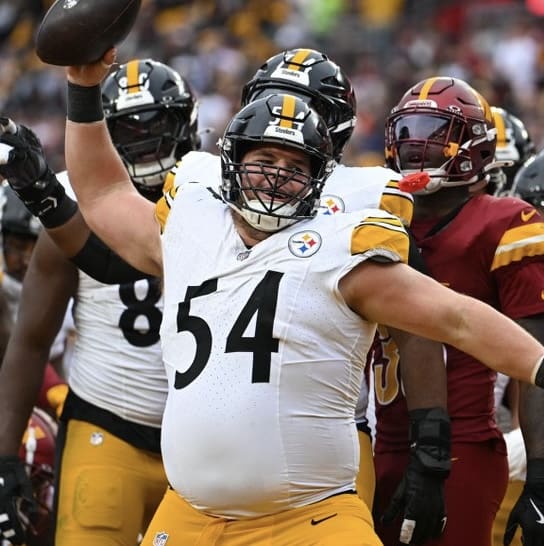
(423,370)
(495,340)
(21,376)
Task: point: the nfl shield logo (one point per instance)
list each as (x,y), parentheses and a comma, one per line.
(160,539)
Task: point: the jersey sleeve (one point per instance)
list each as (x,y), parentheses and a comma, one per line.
(164,204)
(397,202)
(382,237)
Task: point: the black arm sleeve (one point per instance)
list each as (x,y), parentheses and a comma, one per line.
(102,264)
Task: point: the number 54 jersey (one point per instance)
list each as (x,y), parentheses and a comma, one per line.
(264,358)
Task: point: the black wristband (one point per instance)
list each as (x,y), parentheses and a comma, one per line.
(47,200)
(84,104)
(58,215)
(535,470)
(539,377)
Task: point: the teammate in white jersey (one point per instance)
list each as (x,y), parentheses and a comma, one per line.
(247,374)
(111,474)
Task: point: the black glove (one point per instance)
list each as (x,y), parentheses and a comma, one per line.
(17,503)
(420,495)
(23,165)
(528,512)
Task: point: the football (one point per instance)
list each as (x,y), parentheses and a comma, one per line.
(75,32)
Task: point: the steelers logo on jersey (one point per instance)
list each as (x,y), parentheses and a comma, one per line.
(331,204)
(304,243)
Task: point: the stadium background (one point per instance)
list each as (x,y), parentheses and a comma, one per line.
(384,45)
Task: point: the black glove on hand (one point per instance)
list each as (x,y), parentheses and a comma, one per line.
(23,165)
(17,503)
(528,512)
(420,495)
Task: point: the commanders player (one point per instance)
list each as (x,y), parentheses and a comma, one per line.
(441,136)
(111,474)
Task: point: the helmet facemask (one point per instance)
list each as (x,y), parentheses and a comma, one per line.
(267,206)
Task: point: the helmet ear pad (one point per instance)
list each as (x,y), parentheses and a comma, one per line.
(152,115)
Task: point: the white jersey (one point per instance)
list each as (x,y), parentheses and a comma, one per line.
(346,190)
(117,361)
(264,359)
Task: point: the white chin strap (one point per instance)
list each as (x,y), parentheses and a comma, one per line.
(265,222)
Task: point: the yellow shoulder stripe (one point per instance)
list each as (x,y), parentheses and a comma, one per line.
(379,235)
(518,243)
(169,190)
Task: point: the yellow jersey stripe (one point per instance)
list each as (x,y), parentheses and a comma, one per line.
(383,234)
(164,204)
(397,202)
(518,243)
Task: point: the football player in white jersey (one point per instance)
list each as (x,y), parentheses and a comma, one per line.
(323,84)
(268,313)
(111,474)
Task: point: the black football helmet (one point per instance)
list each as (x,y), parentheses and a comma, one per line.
(444,127)
(151,113)
(528,182)
(514,148)
(275,119)
(312,76)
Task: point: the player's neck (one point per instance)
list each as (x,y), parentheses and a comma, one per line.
(249,235)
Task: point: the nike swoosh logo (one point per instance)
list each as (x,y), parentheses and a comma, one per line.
(526,216)
(318,521)
(540,514)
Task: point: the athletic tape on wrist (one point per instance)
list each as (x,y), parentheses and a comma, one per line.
(84,104)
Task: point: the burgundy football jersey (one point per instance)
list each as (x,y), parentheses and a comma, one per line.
(493,250)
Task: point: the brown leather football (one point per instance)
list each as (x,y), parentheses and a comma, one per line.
(75,32)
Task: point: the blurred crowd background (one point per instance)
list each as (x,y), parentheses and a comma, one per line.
(384,45)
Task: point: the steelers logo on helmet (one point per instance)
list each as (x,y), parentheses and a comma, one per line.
(444,127)
(267,196)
